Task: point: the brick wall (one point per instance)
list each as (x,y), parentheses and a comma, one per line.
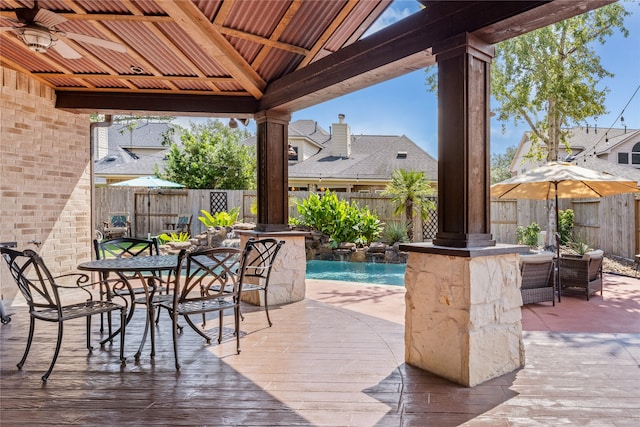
(45,185)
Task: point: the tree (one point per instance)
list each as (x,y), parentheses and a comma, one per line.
(211,156)
(548,78)
(410,192)
(501,163)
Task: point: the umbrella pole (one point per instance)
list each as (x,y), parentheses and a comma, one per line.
(148,214)
(557,272)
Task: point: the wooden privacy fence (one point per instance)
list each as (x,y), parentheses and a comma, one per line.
(611,223)
(150,210)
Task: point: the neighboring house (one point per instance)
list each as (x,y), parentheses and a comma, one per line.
(343,162)
(618,147)
(123,154)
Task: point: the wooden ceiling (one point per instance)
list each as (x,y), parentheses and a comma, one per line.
(238,57)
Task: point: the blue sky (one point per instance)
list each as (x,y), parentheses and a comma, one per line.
(403,106)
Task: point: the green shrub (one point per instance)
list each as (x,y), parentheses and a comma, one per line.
(219,219)
(341,221)
(565,225)
(528,235)
(395,232)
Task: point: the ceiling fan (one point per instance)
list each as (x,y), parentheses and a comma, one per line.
(36,27)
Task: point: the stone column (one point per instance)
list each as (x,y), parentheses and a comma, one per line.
(463,318)
(273,170)
(287,280)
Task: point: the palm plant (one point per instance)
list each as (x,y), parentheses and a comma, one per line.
(410,193)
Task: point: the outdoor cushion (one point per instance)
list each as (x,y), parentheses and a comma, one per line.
(599,253)
(540,257)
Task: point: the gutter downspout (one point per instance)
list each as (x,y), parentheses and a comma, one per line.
(108,121)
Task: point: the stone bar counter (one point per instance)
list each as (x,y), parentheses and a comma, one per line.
(463,318)
(287,281)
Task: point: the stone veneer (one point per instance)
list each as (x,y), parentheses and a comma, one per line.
(463,318)
(287,280)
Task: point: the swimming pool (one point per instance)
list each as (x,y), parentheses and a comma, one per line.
(367,272)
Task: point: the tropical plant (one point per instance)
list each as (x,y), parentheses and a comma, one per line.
(395,232)
(565,225)
(341,221)
(174,237)
(579,244)
(219,219)
(411,194)
(528,235)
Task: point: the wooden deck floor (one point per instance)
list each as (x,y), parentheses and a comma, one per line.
(334,359)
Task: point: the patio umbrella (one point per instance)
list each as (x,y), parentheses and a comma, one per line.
(148,182)
(562,180)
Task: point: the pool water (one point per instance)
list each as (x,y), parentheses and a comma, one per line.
(366,272)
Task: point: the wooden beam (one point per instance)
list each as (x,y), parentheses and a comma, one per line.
(208,38)
(394,49)
(176,104)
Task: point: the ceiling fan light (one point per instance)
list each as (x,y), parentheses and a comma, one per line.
(36,39)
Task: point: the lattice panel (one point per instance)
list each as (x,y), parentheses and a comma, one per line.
(430,226)
(218,201)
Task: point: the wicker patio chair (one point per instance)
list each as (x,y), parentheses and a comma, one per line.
(207,281)
(581,276)
(537,278)
(49,299)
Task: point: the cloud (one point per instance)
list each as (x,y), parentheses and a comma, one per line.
(394,13)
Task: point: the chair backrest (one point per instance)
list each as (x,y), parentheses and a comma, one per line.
(261,259)
(183,223)
(125,247)
(33,278)
(536,273)
(209,274)
(119,219)
(595,263)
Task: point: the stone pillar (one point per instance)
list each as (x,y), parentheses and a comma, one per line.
(287,280)
(273,170)
(463,142)
(463,318)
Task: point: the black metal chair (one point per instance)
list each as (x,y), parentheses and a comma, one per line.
(125,247)
(258,268)
(207,281)
(43,294)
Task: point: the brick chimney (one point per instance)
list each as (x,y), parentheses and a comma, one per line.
(341,138)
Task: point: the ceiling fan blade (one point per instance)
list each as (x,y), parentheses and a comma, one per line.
(48,19)
(107,44)
(65,50)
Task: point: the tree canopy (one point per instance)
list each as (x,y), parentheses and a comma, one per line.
(549,78)
(501,164)
(212,157)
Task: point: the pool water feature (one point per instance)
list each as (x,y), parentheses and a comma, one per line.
(365,272)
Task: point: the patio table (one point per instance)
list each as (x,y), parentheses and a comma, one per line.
(147,269)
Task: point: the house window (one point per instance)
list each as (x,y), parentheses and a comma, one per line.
(623,158)
(635,154)
(293,153)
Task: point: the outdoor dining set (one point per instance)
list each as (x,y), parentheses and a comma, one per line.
(132,272)
(546,277)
